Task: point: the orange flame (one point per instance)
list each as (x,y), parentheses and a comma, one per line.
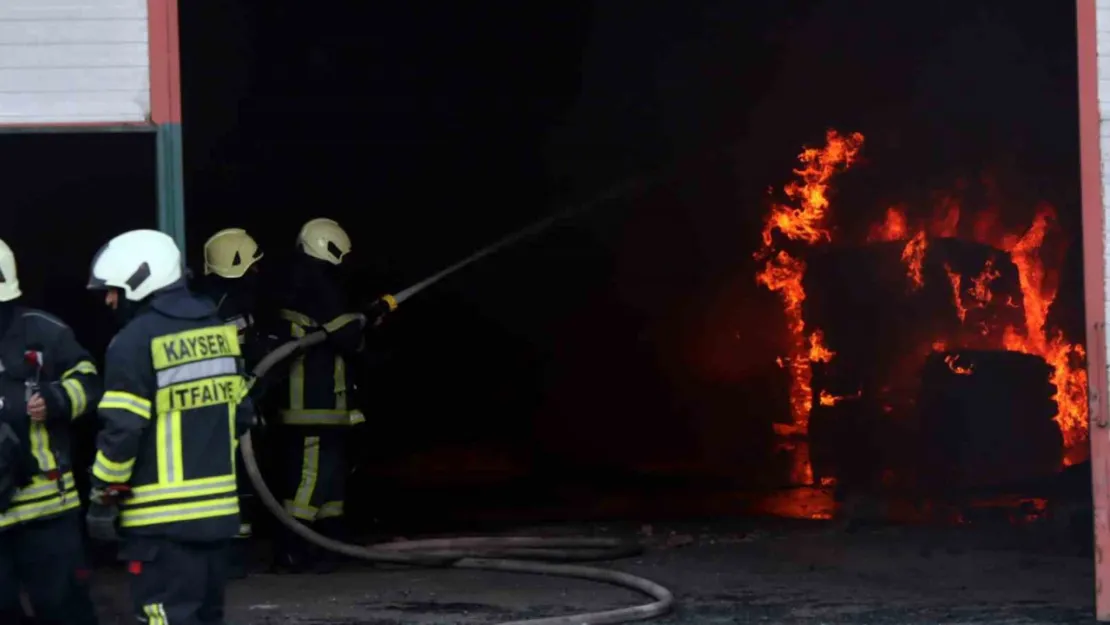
(981,284)
(817,350)
(894,228)
(957,299)
(914,257)
(802,219)
(827,399)
(951,360)
(1038,290)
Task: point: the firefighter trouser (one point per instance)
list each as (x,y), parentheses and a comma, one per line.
(47,558)
(315,475)
(176,583)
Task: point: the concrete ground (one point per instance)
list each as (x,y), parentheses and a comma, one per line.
(721,572)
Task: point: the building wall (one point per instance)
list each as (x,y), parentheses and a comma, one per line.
(74,62)
(1093,49)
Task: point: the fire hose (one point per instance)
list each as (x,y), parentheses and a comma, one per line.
(515,554)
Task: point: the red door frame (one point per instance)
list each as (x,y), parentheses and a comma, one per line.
(1094,269)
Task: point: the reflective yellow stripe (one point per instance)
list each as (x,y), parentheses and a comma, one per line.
(297,318)
(185,489)
(330,510)
(321,417)
(227,389)
(172,350)
(54,503)
(310,470)
(245,530)
(108,470)
(40,447)
(84,367)
(170,469)
(155,614)
(119,400)
(176,513)
(342,320)
(40,486)
(78,401)
(304,513)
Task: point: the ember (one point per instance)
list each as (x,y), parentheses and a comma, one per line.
(999,289)
(952,362)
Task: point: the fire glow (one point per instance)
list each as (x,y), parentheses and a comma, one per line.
(804,220)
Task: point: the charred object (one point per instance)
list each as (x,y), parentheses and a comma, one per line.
(987,419)
(890,394)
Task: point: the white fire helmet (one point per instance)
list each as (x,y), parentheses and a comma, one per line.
(9,277)
(230,253)
(324,239)
(138,262)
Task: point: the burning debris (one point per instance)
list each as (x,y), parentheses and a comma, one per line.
(866,319)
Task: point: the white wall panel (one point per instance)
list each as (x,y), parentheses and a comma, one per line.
(74,62)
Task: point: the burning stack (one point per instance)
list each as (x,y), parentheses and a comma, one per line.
(883,309)
(864,321)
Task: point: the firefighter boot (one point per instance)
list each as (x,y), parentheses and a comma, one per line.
(237,558)
(292,553)
(334,528)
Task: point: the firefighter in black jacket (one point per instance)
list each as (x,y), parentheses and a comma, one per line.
(317,400)
(173,408)
(46,381)
(231,282)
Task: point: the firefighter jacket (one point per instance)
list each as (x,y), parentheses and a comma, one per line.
(318,391)
(40,354)
(172,412)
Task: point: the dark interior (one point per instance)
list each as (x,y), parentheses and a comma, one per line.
(623,363)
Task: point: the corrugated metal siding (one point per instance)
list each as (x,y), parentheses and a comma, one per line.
(74,61)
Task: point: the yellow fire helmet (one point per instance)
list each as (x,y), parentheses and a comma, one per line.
(230,253)
(324,239)
(9,279)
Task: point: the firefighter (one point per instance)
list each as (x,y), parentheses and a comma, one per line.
(317,399)
(231,281)
(173,408)
(47,379)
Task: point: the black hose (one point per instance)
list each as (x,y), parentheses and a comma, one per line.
(515,554)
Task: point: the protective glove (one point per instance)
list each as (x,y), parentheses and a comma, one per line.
(102,520)
(103,516)
(379,308)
